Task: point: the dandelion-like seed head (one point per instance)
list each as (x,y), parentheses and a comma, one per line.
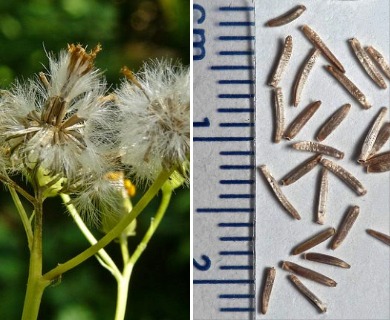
(155,106)
(51,122)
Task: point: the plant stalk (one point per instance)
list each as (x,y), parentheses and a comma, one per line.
(35,284)
(114,233)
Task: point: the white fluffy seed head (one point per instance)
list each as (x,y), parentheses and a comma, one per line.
(155,127)
(101,197)
(61,122)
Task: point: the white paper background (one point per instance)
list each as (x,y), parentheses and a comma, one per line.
(362,291)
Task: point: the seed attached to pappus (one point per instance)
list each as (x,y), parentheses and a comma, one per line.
(367,63)
(345,176)
(303,75)
(282,62)
(307,293)
(313,241)
(308,273)
(333,122)
(324,258)
(299,122)
(279,114)
(379,59)
(278,193)
(350,86)
(287,17)
(379,235)
(379,163)
(345,226)
(381,139)
(269,282)
(312,146)
(372,134)
(323,196)
(317,41)
(301,170)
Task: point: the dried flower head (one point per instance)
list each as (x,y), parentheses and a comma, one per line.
(155,131)
(59,122)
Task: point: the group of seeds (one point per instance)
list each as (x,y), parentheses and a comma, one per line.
(378,134)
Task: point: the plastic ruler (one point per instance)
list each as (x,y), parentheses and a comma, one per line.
(224,165)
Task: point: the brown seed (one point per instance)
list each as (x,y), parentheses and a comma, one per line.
(283,62)
(379,163)
(279,113)
(302,76)
(322,197)
(380,60)
(345,226)
(372,135)
(269,282)
(333,122)
(313,241)
(308,273)
(300,121)
(381,139)
(380,236)
(367,63)
(345,176)
(317,41)
(287,17)
(324,258)
(378,158)
(350,86)
(301,170)
(318,148)
(307,293)
(278,193)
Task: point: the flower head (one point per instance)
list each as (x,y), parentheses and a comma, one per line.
(155,131)
(52,122)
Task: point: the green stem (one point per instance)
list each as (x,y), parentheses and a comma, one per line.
(166,198)
(114,233)
(102,255)
(23,216)
(35,284)
(123,282)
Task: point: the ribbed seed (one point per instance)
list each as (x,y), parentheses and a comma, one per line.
(317,41)
(308,273)
(322,197)
(283,62)
(307,293)
(345,176)
(379,59)
(367,63)
(324,258)
(279,113)
(380,236)
(372,134)
(303,75)
(299,122)
(269,282)
(350,86)
(301,170)
(313,241)
(312,146)
(334,121)
(345,226)
(381,139)
(287,17)
(278,193)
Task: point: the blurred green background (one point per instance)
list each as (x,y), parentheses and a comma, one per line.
(130,31)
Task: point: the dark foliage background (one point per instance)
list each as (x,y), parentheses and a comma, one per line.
(130,31)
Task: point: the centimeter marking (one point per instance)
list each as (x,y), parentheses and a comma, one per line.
(224,50)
